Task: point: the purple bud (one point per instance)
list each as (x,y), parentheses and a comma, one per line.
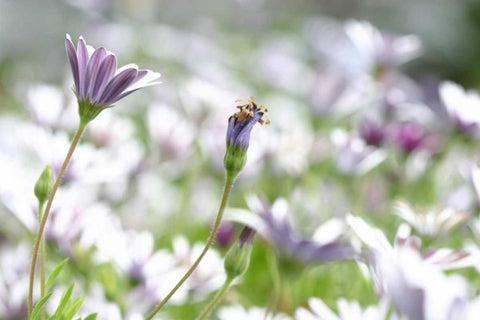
(246,237)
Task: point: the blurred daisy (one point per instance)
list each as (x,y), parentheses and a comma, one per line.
(237,312)
(347,310)
(358,47)
(353,156)
(275,225)
(412,137)
(462,106)
(414,282)
(432,222)
(14,266)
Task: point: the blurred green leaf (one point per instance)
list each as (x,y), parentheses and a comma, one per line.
(54,274)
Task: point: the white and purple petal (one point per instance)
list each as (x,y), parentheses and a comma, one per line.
(117,85)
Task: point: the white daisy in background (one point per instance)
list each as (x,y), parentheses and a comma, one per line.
(431,222)
(347,310)
(462,106)
(14,270)
(237,312)
(173,136)
(358,47)
(61,111)
(415,283)
(353,156)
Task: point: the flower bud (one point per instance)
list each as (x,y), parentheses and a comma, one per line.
(240,126)
(237,259)
(44,184)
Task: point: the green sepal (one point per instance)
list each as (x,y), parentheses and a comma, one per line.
(89,111)
(237,259)
(235,159)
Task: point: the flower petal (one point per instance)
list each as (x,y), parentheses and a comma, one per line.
(142,80)
(72,57)
(82,56)
(105,73)
(117,85)
(92,71)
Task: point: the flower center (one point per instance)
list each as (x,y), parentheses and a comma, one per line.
(248,109)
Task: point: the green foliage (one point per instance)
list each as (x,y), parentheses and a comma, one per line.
(68,306)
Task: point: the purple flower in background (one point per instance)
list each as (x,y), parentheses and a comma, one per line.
(414,282)
(273,223)
(225,233)
(240,124)
(352,155)
(98,83)
(412,137)
(372,133)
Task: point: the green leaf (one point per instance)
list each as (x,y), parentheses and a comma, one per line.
(92,316)
(55,274)
(64,302)
(73,308)
(38,307)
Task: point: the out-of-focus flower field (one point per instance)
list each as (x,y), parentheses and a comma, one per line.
(363,191)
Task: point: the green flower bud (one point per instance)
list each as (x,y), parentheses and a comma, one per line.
(237,258)
(44,185)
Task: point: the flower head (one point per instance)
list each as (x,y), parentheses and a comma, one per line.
(240,126)
(98,83)
(273,223)
(431,223)
(241,123)
(461,106)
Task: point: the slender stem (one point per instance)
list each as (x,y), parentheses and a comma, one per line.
(42,260)
(43,222)
(273,266)
(216,300)
(226,193)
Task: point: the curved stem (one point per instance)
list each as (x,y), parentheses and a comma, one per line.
(226,193)
(45,215)
(42,260)
(216,300)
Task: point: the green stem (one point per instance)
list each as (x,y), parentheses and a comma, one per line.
(275,273)
(226,194)
(42,260)
(216,300)
(43,222)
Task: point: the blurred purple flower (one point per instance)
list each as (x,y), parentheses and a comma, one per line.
(240,125)
(225,233)
(413,281)
(273,223)
(372,133)
(97,80)
(412,137)
(353,156)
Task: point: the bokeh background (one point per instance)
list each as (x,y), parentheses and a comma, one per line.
(357,124)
